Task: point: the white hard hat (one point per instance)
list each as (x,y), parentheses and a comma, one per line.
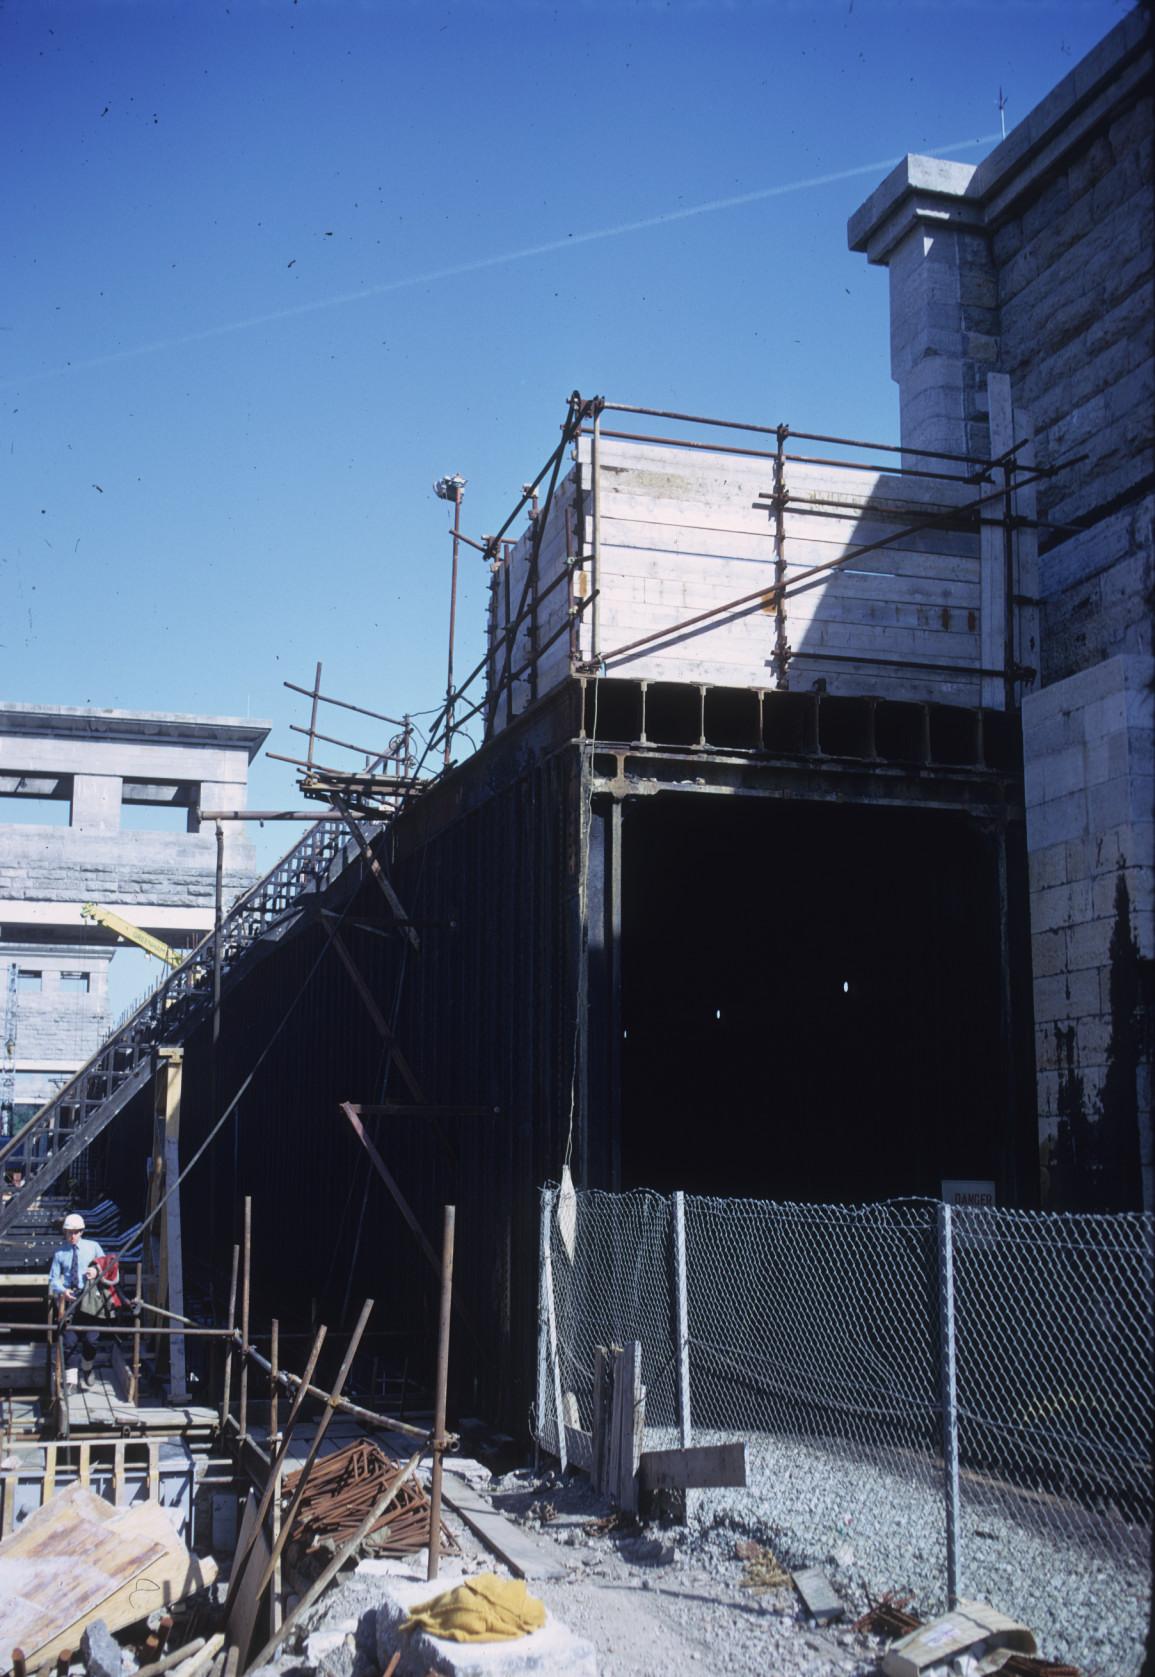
(73,1221)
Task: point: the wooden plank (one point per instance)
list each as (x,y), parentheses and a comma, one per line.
(85,1463)
(118,1472)
(627,1425)
(599,1427)
(523,1556)
(818,1595)
(579,1448)
(699,1466)
(244,1600)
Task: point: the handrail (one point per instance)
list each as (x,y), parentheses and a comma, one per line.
(122,1059)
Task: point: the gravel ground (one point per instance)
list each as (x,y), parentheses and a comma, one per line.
(659,1599)
(874,1530)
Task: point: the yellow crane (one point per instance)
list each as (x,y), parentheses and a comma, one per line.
(125,929)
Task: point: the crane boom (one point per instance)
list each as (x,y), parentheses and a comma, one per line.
(125,928)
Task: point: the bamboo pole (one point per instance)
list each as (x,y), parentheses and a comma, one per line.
(134,1378)
(246,1268)
(314,1449)
(442,1389)
(270,1483)
(228,1379)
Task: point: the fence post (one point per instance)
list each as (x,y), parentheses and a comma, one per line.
(682,1318)
(542,1327)
(949,1399)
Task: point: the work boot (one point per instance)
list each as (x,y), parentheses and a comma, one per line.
(71,1376)
(88,1376)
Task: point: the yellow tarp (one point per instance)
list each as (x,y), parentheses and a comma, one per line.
(483,1609)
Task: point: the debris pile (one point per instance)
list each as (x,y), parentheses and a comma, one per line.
(763,1571)
(890,1616)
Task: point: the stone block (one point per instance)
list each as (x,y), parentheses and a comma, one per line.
(1064,772)
(1067,996)
(1088,945)
(1034,790)
(1048,867)
(982,347)
(1057,821)
(1110,803)
(1077,856)
(1061,906)
(1141,796)
(554,1649)
(1048,952)
(101,1652)
(1047,1089)
(1105,891)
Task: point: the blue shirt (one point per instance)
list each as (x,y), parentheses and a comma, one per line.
(59,1275)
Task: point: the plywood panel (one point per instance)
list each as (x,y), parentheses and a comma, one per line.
(64,1561)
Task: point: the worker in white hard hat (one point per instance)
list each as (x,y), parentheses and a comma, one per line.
(70,1264)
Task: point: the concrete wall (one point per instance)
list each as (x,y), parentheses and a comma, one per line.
(1037,266)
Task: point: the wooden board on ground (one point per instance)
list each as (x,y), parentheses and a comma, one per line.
(818,1595)
(523,1556)
(61,1565)
(78,1555)
(699,1466)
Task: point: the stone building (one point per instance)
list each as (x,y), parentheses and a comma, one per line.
(1021,314)
(102,806)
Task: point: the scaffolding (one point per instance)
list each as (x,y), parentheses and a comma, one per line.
(557,596)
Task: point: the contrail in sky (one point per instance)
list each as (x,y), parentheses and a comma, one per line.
(479,264)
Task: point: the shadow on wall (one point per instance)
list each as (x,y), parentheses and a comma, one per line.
(1094,1160)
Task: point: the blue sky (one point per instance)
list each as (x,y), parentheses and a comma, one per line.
(272,266)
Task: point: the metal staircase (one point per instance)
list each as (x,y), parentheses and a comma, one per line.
(49,1143)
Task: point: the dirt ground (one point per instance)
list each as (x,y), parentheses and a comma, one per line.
(661,1599)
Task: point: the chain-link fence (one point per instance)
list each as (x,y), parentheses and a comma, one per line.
(940,1400)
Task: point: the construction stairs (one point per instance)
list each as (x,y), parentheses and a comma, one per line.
(56,1136)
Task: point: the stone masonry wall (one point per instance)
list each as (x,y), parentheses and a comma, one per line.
(1060,221)
(57,864)
(1074,270)
(1090,754)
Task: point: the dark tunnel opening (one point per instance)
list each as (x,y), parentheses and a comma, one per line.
(810,1000)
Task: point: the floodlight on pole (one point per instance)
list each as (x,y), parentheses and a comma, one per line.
(451,489)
